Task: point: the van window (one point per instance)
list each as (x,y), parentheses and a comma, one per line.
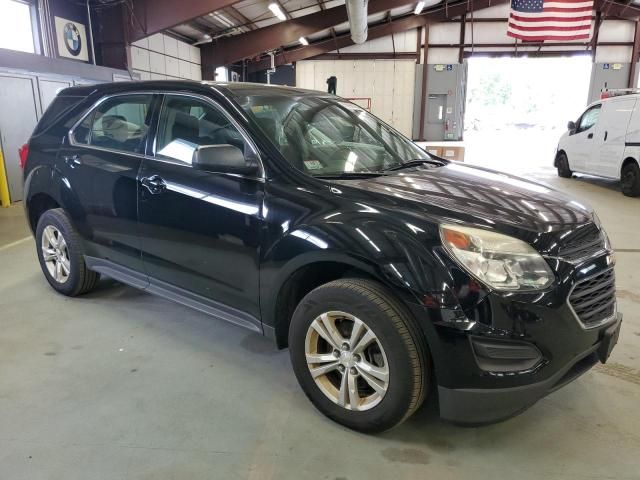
(589,118)
(120,123)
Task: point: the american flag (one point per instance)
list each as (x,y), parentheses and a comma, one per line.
(538,20)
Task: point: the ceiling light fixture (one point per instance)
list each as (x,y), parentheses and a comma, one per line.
(303,41)
(419,8)
(224,20)
(277,11)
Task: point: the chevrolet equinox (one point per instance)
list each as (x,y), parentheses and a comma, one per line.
(386,271)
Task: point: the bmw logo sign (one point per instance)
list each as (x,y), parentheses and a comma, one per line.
(72,39)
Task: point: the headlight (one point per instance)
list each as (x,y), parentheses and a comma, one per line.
(499,261)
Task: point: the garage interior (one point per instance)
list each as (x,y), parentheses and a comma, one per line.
(121,384)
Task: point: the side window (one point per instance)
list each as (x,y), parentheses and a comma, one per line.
(120,123)
(187,123)
(589,118)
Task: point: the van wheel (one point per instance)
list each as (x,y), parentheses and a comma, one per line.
(61,255)
(358,356)
(563,166)
(630,180)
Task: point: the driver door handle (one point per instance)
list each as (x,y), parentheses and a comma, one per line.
(605,136)
(72,160)
(155,184)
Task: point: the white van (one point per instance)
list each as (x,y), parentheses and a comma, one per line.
(605,141)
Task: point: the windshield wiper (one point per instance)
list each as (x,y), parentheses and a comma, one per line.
(414,163)
(350,175)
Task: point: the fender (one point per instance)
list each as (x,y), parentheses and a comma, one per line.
(47,180)
(381,246)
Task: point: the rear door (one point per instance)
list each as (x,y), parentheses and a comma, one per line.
(101,160)
(200,231)
(581,143)
(610,135)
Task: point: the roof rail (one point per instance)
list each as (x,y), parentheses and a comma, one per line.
(617,92)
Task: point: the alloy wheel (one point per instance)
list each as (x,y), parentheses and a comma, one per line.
(55,254)
(347,361)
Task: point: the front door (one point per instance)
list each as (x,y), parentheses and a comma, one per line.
(101,159)
(200,230)
(581,144)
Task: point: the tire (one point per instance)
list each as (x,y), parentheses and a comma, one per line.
(397,350)
(64,268)
(630,180)
(563,166)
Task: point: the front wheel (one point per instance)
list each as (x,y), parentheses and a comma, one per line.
(630,180)
(358,356)
(564,170)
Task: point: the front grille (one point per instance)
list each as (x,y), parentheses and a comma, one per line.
(584,244)
(594,299)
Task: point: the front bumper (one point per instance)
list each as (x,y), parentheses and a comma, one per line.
(488,405)
(495,354)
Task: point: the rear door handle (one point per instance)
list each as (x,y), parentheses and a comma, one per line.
(605,136)
(155,184)
(590,135)
(72,160)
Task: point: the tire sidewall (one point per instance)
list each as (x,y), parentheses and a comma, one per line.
(563,166)
(396,401)
(633,189)
(56,218)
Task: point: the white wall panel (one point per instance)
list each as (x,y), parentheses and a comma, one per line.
(140,58)
(488,33)
(196,72)
(498,11)
(184,68)
(173,66)
(442,55)
(142,43)
(156,43)
(616,31)
(143,75)
(606,54)
(388,83)
(163,56)
(444,33)
(156,63)
(184,51)
(195,55)
(170,46)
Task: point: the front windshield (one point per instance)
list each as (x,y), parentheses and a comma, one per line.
(327,136)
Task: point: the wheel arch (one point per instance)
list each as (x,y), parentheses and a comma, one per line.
(45,189)
(628,161)
(308,272)
(558,153)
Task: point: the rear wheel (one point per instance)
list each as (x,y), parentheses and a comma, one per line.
(630,180)
(357,355)
(563,166)
(61,255)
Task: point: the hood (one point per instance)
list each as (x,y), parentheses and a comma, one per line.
(479,195)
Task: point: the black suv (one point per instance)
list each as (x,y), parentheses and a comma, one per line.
(386,271)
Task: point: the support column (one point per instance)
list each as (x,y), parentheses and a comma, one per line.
(423,93)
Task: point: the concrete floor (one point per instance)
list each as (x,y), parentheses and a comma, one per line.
(119,384)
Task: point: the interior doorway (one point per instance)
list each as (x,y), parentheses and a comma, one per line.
(517,109)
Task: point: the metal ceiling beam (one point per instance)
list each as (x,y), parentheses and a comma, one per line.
(153,16)
(612,8)
(229,50)
(433,15)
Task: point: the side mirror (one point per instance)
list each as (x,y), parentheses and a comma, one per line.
(571,126)
(223,159)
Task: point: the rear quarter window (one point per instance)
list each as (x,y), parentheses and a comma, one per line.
(57,108)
